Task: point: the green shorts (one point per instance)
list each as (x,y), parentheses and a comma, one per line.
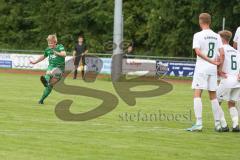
(56,72)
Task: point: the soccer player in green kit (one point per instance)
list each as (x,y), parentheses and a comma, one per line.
(56,55)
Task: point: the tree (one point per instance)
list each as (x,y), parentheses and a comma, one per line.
(157,27)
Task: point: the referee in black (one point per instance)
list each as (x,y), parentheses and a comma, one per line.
(79,52)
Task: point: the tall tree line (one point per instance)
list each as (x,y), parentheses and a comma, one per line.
(156,27)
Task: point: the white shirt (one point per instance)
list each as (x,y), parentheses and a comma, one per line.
(209,43)
(237,38)
(231,66)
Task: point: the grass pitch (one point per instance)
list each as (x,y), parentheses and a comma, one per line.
(29,131)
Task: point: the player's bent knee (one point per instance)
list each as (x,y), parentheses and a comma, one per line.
(49,73)
(197,93)
(212,95)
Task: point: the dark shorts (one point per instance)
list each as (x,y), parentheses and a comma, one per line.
(78,59)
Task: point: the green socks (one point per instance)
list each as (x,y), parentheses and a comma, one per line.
(47,90)
(47,77)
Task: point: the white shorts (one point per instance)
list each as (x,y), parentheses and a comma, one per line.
(204,82)
(55,72)
(227,94)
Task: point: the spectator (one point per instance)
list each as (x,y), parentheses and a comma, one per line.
(79,53)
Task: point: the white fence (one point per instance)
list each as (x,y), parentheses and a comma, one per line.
(103,65)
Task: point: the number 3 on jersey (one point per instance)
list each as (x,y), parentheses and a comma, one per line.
(211,46)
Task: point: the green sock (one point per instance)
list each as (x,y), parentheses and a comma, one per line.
(46,92)
(48,77)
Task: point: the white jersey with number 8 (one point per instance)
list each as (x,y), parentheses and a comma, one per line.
(209,43)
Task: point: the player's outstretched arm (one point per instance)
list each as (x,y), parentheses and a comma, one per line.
(62,53)
(200,54)
(41,58)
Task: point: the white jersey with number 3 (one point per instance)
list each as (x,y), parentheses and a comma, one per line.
(209,43)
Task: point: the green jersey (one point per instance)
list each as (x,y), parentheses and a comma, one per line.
(55,60)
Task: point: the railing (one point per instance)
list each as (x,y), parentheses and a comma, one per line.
(20,51)
(2,51)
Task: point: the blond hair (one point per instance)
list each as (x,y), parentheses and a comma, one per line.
(226,35)
(52,37)
(205,18)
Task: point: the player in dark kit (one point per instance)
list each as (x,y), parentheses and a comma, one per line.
(79,55)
